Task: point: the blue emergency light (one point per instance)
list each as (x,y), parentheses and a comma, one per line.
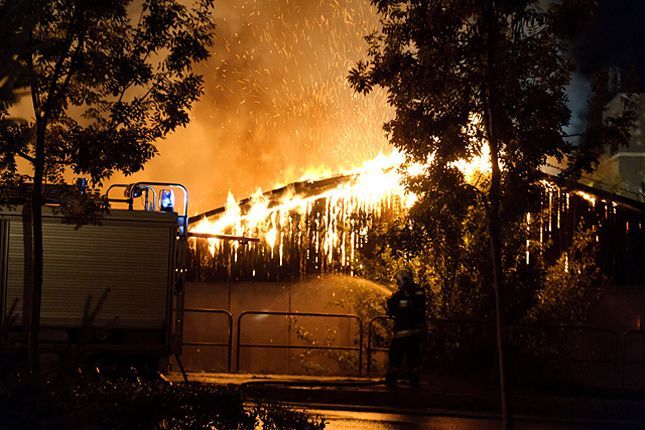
(167,201)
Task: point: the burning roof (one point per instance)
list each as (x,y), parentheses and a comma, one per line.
(323,221)
(320,225)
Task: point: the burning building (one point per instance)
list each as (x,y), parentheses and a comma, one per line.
(307,227)
(318,226)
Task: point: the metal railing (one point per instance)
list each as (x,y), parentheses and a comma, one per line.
(621,350)
(526,329)
(568,351)
(228,344)
(358,349)
(370,349)
(627,357)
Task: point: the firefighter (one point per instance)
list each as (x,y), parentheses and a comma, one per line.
(407,307)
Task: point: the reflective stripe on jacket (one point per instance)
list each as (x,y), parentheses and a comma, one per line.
(408,333)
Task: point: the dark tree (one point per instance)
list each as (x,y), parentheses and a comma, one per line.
(469,74)
(107,80)
(14,39)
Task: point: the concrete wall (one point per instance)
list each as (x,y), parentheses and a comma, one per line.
(329,294)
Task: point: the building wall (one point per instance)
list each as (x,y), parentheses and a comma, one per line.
(325,294)
(623,169)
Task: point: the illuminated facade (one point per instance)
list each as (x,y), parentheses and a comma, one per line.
(623,169)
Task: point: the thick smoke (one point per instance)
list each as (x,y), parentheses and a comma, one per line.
(277,102)
(614,39)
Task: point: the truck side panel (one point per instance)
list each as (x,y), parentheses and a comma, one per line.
(129,254)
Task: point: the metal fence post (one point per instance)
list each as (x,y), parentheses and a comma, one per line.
(237,343)
(360,346)
(229,342)
(368,352)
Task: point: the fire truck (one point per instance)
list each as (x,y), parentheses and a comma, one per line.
(112,288)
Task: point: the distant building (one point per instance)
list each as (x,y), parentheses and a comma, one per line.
(622,170)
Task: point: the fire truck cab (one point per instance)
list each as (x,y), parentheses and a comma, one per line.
(116,287)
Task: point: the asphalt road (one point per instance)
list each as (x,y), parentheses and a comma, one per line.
(352,420)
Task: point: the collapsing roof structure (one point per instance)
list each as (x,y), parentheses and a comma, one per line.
(315,227)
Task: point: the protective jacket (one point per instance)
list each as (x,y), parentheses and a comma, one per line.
(408,308)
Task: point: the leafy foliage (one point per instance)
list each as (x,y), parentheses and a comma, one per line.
(452,263)
(14,40)
(91,401)
(317,361)
(465,75)
(448,255)
(462,77)
(432,60)
(276,416)
(571,284)
(107,80)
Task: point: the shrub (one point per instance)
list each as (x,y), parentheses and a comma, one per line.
(96,402)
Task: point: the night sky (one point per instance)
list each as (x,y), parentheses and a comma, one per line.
(615,38)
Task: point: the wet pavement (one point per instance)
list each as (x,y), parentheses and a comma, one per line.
(350,420)
(450,404)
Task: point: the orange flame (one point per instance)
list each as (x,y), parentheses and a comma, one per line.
(376,185)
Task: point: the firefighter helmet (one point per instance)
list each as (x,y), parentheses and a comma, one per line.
(403,277)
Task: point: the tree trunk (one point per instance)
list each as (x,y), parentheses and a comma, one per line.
(494,231)
(28,266)
(494,222)
(43,113)
(33,330)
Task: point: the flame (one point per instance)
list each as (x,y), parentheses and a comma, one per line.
(375,186)
(271,237)
(337,218)
(480,161)
(586,196)
(478,164)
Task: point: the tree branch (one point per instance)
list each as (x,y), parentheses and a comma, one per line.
(51,94)
(74,59)
(35,91)
(573,135)
(129,84)
(29,158)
